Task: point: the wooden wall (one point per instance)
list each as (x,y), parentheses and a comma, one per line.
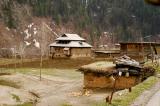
(133,49)
(106,55)
(81,52)
(74,52)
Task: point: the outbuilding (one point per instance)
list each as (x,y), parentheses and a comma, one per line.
(139,49)
(123,73)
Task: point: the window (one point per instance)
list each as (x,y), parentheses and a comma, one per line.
(63,42)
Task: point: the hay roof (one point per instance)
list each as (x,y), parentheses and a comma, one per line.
(106,68)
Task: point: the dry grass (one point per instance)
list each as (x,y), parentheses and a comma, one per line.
(9,83)
(34,94)
(26,104)
(102,67)
(47,63)
(64,73)
(5,61)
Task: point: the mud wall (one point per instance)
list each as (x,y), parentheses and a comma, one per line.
(92,80)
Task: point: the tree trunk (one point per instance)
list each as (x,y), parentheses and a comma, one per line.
(41,62)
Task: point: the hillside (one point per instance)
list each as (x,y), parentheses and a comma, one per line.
(99,21)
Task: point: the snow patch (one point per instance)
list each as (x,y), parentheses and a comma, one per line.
(27,33)
(35,32)
(7,29)
(30,25)
(27,43)
(34,29)
(36,43)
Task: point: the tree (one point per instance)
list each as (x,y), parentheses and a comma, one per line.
(44,42)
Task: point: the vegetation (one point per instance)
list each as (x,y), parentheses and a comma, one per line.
(156,65)
(26,104)
(127,20)
(9,83)
(66,104)
(127,99)
(66,73)
(5,61)
(16,97)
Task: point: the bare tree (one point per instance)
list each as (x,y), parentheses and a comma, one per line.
(15,57)
(43,45)
(45,34)
(22,47)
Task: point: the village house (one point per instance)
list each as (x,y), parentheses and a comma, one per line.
(71,46)
(139,49)
(136,50)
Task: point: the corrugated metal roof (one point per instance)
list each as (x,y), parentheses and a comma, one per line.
(71,44)
(71,37)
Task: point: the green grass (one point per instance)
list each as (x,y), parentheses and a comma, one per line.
(16,97)
(65,73)
(66,104)
(26,104)
(5,61)
(127,99)
(9,83)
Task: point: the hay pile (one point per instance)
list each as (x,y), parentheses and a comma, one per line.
(106,68)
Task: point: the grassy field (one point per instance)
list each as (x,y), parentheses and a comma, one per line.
(66,73)
(5,61)
(47,63)
(66,69)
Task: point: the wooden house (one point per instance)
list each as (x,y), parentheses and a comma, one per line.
(139,49)
(71,46)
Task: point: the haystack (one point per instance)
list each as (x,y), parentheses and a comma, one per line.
(103,68)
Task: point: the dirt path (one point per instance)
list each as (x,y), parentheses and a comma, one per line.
(149,97)
(155,100)
(55,90)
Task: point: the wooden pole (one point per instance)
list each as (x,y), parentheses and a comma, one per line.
(114,88)
(15,59)
(109,98)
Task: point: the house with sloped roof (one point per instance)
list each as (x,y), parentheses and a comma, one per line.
(71,46)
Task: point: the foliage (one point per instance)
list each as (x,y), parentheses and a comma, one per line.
(126,19)
(66,104)
(26,104)
(16,97)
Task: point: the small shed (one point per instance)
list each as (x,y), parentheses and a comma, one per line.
(103,75)
(71,46)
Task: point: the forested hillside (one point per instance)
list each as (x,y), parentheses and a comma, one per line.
(121,20)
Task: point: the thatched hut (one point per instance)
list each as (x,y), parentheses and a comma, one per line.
(104,74)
